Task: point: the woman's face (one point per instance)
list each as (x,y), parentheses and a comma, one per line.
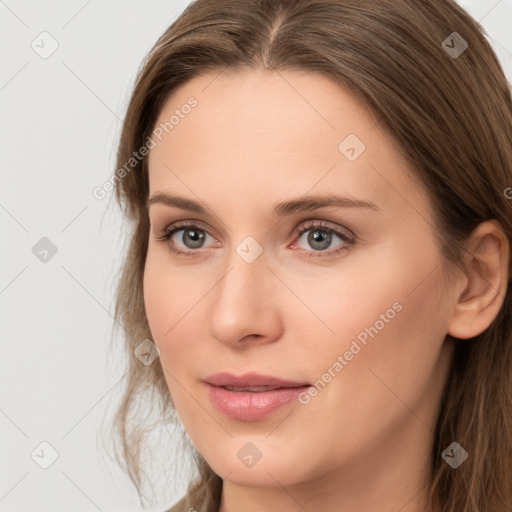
(347,297)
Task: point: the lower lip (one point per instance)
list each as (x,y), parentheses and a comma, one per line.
(251,406)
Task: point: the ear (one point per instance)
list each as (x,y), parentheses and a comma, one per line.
(483,285)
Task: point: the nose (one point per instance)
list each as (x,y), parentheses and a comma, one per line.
(245,306)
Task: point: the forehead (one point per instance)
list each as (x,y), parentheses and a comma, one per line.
(269,132)
(260,107)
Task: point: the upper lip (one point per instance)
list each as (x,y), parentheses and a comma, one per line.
(251,380)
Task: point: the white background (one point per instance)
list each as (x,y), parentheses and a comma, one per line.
(60,119)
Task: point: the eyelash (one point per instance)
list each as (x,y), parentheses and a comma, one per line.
(309,226)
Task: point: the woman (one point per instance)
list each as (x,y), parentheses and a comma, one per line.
(320,198)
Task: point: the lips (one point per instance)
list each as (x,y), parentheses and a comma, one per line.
(252,380)
(252,396)
(251,388)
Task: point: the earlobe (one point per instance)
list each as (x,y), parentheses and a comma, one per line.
(487,263)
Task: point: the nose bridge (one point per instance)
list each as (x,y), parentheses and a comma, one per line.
(248,274)
(245,283)
(241,304)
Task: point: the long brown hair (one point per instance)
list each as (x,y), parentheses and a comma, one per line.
(445,99)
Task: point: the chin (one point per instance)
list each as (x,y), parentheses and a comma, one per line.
(271,470)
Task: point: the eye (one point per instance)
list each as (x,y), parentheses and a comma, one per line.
(192,237)
(320,236)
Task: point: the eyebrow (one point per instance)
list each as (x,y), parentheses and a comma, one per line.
(281,209)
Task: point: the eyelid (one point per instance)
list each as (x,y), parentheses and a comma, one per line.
(309,224)
(175,226)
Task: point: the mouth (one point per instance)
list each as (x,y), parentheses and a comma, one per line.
(252,381)
(254,389)
(252,397)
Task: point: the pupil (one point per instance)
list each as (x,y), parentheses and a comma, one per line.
(196,238)
(319,240)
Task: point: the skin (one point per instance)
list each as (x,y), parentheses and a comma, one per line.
(364,442)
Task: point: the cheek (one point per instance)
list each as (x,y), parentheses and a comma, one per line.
(390,325)
(173,298)
(393,288)
(169,291)
(405,355)
(386,313)
(382,298)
